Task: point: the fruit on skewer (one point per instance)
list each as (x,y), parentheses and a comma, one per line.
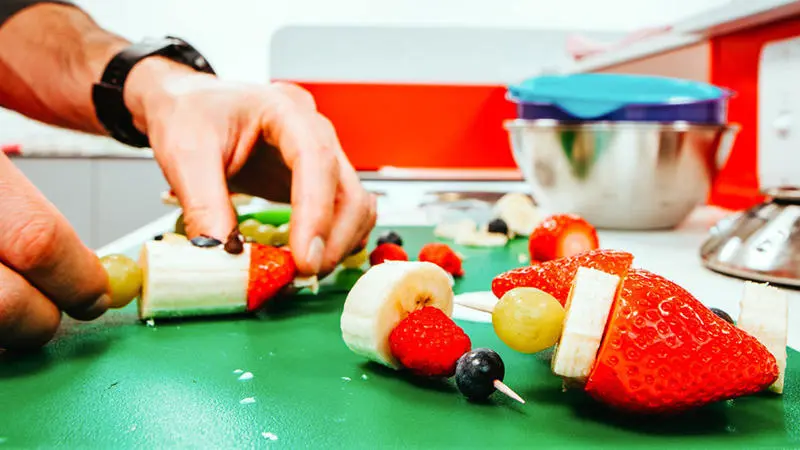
(387,252)
(560,236)
(443,256)
(588,306)
(479,373)
(124,279)
(528,320)
(519,213)
(665,352)
(182,279)
(555,277)
(764,314)
(385,295)
(652,347)
(398,314)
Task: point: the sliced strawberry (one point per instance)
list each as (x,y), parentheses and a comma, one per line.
(555,277)
(560,236)
(665,352)
(271,269)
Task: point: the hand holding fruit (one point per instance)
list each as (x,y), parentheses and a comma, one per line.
(44,267)
(271,142)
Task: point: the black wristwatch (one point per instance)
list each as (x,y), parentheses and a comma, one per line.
(107,94)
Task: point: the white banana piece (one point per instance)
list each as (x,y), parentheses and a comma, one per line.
(385,295)
(452,230)
(518,212)
(764,314)
(481,238)
(587,310)
(182,280)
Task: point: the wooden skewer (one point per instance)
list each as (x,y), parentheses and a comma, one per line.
(507,391)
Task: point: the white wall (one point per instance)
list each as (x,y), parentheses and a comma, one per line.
(234,34)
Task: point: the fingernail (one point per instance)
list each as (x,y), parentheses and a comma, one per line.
(94,311)
(315,253)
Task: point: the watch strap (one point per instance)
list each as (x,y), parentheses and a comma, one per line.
(107,94)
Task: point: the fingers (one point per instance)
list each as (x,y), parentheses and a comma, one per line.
(27,318)
(355,217)
(195,170)
(314,185)
(37,242)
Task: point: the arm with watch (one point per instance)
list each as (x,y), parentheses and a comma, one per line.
(58,66)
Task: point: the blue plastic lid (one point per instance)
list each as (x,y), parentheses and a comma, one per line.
(590,95)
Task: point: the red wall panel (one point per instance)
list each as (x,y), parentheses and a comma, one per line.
(734,64)
(406,125)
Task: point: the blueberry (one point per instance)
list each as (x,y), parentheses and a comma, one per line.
(390,237)
(205,241)
(159,237)
(723,315)
(498,226)
(476,372)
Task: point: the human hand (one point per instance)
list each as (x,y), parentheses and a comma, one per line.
(44,267)
(210,136)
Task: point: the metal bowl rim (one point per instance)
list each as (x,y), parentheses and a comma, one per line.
(551,124)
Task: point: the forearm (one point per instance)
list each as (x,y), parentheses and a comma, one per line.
(51,55)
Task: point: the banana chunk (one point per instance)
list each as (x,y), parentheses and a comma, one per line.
(518,212)
(764,314)
(384,296)
(587,310)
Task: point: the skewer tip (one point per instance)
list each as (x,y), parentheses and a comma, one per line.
(507,391)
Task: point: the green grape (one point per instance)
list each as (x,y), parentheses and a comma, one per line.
(263,234)
(124,279)
(249,227)
(355,261)
(528,320)
(281,236)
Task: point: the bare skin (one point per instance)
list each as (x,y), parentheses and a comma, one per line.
(209,136)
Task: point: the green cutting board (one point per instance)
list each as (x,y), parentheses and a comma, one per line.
(118,383)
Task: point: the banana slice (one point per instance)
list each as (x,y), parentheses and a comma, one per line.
(481,239)
(587,310)
(518,212)
(764,313)
(384,296)
(452,230)
(181,280)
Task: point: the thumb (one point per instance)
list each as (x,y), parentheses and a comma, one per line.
(197,175)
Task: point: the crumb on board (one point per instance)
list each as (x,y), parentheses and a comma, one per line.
(247,400)
(346,378)
(269,436)
(246,376)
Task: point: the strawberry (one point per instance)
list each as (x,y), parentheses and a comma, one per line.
(429,343)
(443,256)
(560,236)
(555,277)
(665,352)
(271,269)
(387,252)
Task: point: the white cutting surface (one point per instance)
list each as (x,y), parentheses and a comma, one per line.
(673,254)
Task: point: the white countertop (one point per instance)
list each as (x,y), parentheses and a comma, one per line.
(673,254)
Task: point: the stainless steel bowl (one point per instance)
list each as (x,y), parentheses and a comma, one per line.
(762,243)
(620,175)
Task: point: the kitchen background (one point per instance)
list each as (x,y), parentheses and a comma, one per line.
(359,56)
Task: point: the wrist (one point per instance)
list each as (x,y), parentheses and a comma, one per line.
(153,84)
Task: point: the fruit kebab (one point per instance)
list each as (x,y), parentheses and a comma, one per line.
(637,341)
(177,277)
(398,315)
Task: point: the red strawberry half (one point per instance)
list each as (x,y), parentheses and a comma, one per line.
(555,277)
(443,256)
(387,252)
(429,343)
(560,236)
(271,269)
(665,352)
